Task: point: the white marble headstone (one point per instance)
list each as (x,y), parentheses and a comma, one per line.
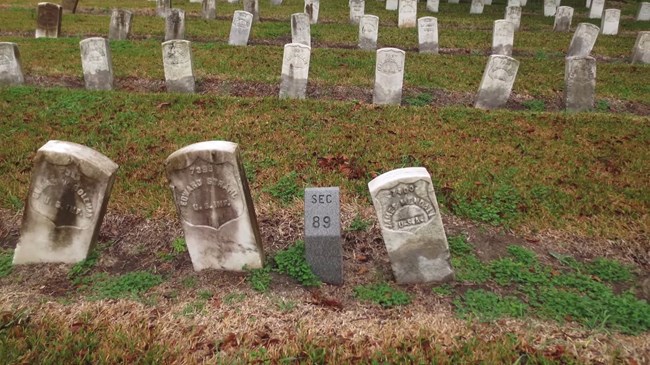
(476,7)
(513,14)
(550,7)
(97,63)
(408,11)
(433,5)
(563,17)
(583,40)
(209,9)
(253,7)
(428,35)
(300,29)
(596,10)
(295,71)
(644,12)
(312,8)
(177,61)
(389,76)
(163,7)
(175,24)
(357,9)
(610,20)
(392,4)
(496,85)
(240,28)
(368,32)
(11,73)
(579,83)
(503,36)
(120,26)
(641,52)
(48,20)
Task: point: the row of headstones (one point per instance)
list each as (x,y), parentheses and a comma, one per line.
(209,8)
(71,185)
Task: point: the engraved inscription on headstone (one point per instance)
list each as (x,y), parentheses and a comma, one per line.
(563,17)
(96,63)
(163,7)
(357,8)
(644,12)
(214,205)
(240,29)
(70,6)
(411,225)
(392,4)
(476,7)
(209,9)
(641,52)
(253,7)
(597,7)
(389,76)
(323,249)
(496,85)
(48,20)
(300,29)
(368,32)
(433,5)
(11,73)
(503,36)
(177,61)
(295,71)
(610,20)
(175,25)
(550,7)
(513,14)
(68,196)
(583,40)
(579,83)
(408,11)
(428,35)
(311,9)
(120,26)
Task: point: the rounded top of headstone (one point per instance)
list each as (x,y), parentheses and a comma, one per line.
(504,57)
(92,39)
(370,16)
(397,175)
(299,45)
(8,44)
(428,19)
(588,25)
(390,49)
(243,12)
(49,4)
(91,163)
(209,151)
(176,41)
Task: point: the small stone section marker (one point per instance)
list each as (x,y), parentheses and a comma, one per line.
(323,249)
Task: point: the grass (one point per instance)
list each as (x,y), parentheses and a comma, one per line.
(292,262)
(6,258)
(130,285)
(382,294)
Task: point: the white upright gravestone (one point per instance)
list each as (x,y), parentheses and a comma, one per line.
(433,5)
(408,11)
(209,9)
(476,7)
(120,26)
(389,76)
(583,40)
(550,7)
(163,7)
(253,7)
(368,32)
(644,12)
(48,20)
(428,35)
(513,14)
(300,29)
(610,20)
(312,8)
(496,85)
(580,83)
(295,71)
(563,18)
(177,60)
(97,63)
(596,10)
(641,52)
(392,4)
(240,29)
(503,36)
(11,73)
(357,9)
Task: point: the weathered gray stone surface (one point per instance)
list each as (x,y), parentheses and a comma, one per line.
(523,3)
(641,52)
(453,1)
(311,9)
(550,7)
(392,4)
(487,2)
(609,22)
(120,26)
(97,63)
(11,73)
(300,29)
(644,12)
(357,9)
(433,5)
(69,6)
(503,37)
(596,10)
(68,196)
(253,7)
(175,25)
(411,225)
(513,14)
(240,29)
(579,83)
(368,32)
(496,85)
(214,205)
(476,7)
(276,2)
(48,20)
(209,9)
(588,3)
(583,40)
(514,3)
(408,12)
(177,61)
(563,17)
(163,7)
(428,35)
(295,71)
(389,76)
(323,248)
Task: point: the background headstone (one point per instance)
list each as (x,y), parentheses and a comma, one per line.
(563,17)
(476,7)
(214,205)
(177,61)
(610,20)
(312,8)
(513,14)
(295,71)
(163,7)
(68,196)
(433,5)
(496,85)
(596,10)
(48,20)
(11,73)
(428,35)
(514,3)
(357,9)
(240,29)
(323,249)
(392,4)
(487,2)
(253,7)
(588,4)
(120,26)
(411,225)
(368,32)
(641,52)
(503,37)
(300,29)
(579,83)
(550,7)
(96,63)
(408,12)
(583,40)
(644,12)
(389,76)
(276,2)
(70,6)
(453,1)
(209,9)
(175,25)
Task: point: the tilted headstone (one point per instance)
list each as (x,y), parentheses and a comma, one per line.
(311,9)
(392,4)
(214,205)
(550,7)
(96,63)
(641,51)
(70,6)
(596,10)
(68,196)
(513,14)
(209,9)
(563,17)
(11,73)
(609,22)
(503,37)
(253,7)
(240,29)
(175,25)
(368,32)
(300,29)
(453,2)
(295,71)
(357,9)
(177,61)
(476,7)
(323,248)
(163,7)
(389,76)
(411,225)
(428,35)
(496,85)
(579,83)
(644,12)
(120,26)
(583,40)
(514,3)
(48,21)
(408,11)
(433,5)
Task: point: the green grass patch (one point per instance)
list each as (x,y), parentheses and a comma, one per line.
(260,279)
(286,189)
(382,294)
(292,262)
(6,257)
(131,285)
(488,306)
(81,269)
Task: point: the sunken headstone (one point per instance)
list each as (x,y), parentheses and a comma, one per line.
(392,4)
(214,205)
(513,14)
(407,17)
(428,35)
(70,6)
(96,63)
(596,10)
(175,25)
(550,7)
(177,61)
(357,9)
(209,9)
(240,29)
(476,7)
(579,83)
(641,52)
(389,76)
(11,73)
(311,9)
(48,20)
(563,17)
(300,29)
(163,7)
(583,40)
(120,26)
(644,12)
(433,5)
(368,32)
(323,249)
(503,36)
(253,7)
(609,23)
(295,71)
(411,225)
(496,85)
(68,195)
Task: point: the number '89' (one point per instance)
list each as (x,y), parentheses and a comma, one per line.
(325,222)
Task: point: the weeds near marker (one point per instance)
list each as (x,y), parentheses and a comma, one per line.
(286,189)
(5,263)
(82,268)
(359,224)
(292,262)
(382,294)
(130,285)
(534,105)
(260,279)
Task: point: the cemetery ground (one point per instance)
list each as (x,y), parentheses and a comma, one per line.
(546,212)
